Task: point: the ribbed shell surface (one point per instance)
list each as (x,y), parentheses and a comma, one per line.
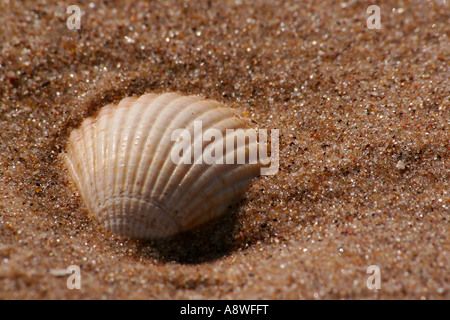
(121,163)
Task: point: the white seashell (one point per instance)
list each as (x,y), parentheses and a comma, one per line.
(121,163)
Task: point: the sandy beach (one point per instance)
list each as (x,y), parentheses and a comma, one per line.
(364,121)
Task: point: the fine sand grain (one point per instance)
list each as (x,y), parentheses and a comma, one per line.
(364,147)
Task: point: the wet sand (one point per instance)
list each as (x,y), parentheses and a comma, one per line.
(364,147)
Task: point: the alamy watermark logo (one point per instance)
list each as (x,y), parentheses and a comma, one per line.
(74,21)
(374,281)
(374,20)
(74,279)
(234,146)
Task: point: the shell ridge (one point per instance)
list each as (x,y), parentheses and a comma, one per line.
(101,148)
(160,184)
(209,125)
(177,106)
(236,183)
(193,179)
(137,141)
(196,108)
(77,164)
(209,209)
(207,179)
(113,156)
(114,140)
(155,108)
(86,173)
(164,186)
(191,168)
(136,144)
(144,200)
(144,132)
(91,147)
(73,173)
(128,132)
(120,130)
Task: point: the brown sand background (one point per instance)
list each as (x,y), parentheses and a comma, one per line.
(364,151)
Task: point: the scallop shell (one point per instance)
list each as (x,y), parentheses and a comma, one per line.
(121,163)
